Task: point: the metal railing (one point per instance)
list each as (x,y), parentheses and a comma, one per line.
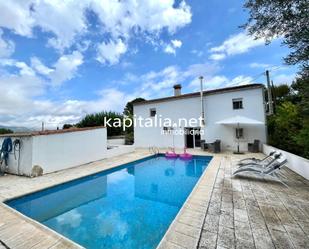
(154,150)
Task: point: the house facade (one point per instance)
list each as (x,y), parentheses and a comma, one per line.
(217,105)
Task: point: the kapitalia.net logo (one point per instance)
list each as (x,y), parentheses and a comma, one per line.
(168,125)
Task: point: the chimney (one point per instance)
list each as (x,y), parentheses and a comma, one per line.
(177,90)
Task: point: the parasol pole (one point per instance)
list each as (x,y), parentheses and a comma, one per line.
(173,141)
(238,137)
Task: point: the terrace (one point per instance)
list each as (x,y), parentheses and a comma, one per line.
(221,212)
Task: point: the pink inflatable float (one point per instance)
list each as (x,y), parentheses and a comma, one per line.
(185,155)
(171,154)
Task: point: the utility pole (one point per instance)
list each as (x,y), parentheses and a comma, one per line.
(270,99)
(274,96)
(202,101)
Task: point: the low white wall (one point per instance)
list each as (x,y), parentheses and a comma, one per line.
(119,150)
(58,151)
(55,152)
(296,163)
(115,141)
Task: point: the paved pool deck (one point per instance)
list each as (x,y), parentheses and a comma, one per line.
(221,212)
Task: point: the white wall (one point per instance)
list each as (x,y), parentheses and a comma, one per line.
(217,107)
(151,136)
(65,150)
(116,141)
(119,150)
(296,163)
(54,152)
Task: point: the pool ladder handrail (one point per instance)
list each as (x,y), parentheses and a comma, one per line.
(154,150)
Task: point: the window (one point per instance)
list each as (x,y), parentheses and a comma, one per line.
(167,130)
(239,133)
(153,112)
(237,104)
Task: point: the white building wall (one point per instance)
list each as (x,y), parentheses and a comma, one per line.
(151,136)
(65,150)
(217,107)
(220,106)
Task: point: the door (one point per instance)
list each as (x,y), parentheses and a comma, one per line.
(197,137)
(192,137)
(189,138)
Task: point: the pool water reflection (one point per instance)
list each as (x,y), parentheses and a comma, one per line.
(127,207)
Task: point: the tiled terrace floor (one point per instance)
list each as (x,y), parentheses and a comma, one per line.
(221,212)
(249,212)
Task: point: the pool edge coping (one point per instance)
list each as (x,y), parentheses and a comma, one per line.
(58,237)
(55,234)
(171,231)
(46,229)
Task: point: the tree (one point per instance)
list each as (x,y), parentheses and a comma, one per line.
(284,127)
(67,126)
(282,18)
(289,127)
(128,110)
(114,127)
(301,86)
(5,131)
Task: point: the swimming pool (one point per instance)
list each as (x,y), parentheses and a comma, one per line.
(130,206)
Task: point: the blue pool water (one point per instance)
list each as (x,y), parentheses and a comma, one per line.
(130,206)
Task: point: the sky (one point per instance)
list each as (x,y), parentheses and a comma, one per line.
(60,60)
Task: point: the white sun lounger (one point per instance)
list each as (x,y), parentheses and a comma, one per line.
(263,163)
(270,170)
(255,160)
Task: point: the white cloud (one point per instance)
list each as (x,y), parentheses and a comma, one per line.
(171,48)
(235,44)
(27,111)
(197,52)
(65,68)
(21,102)
(119,17)
(110,52)
(16,15)
(17,92)
(67,23)
(217,81)
(159,83)
(284,79)
(7,47)
(24,94)
(24,68)
(39,67)
(217,57)
(240,80)
(259,65)
(176,43)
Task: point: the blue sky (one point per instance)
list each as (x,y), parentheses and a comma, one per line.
(60,60)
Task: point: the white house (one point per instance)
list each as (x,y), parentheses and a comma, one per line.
(246,101)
